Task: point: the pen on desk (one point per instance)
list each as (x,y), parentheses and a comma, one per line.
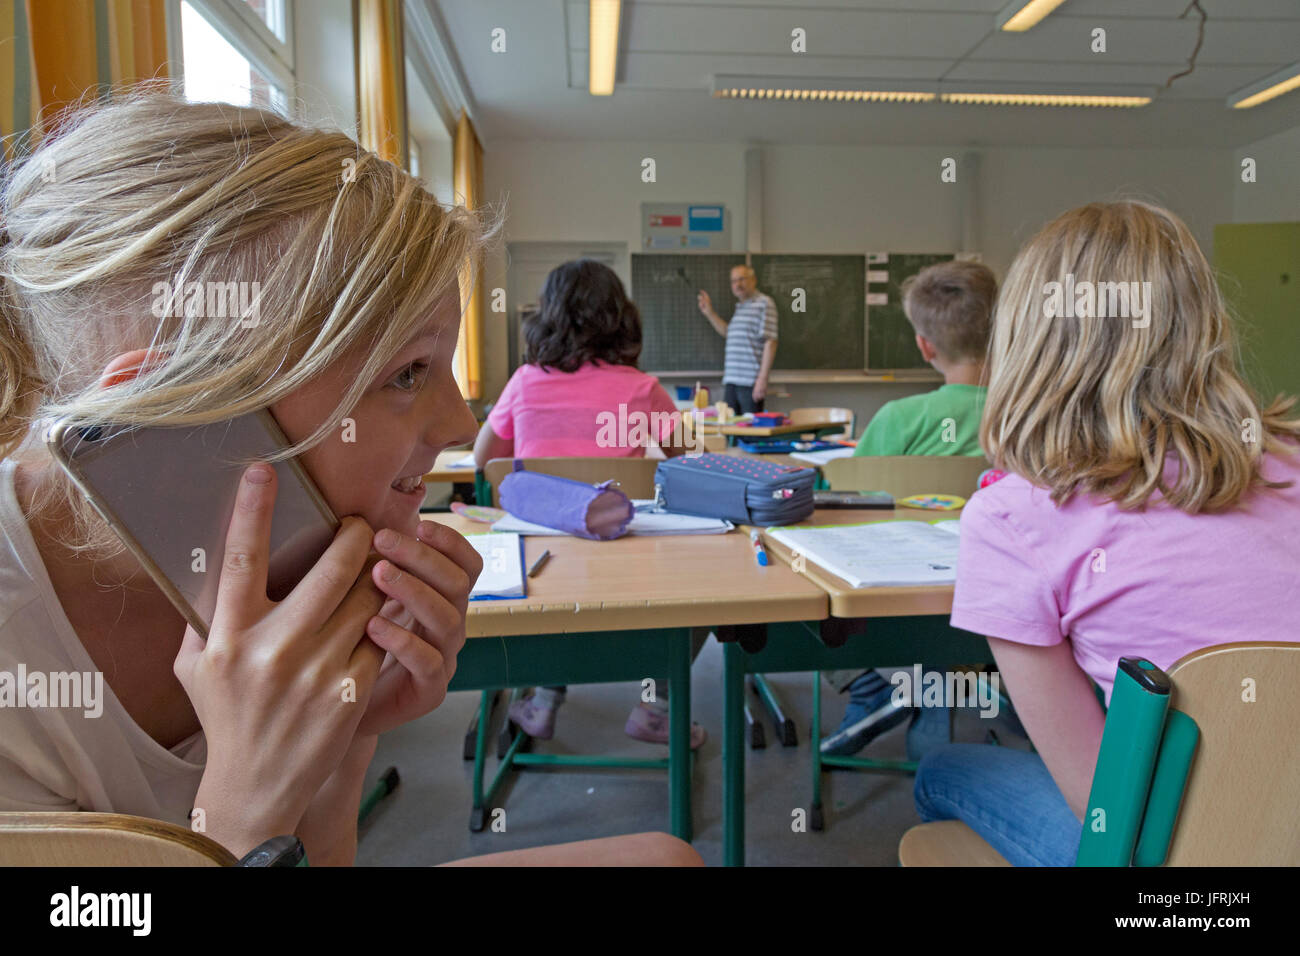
(759,551)
(537,565)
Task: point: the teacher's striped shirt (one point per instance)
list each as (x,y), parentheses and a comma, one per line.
(753,323)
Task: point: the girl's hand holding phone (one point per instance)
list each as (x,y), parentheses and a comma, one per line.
(280,688)
(422,625)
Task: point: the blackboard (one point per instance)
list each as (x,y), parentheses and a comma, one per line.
(849,322)
(822,326)
(891,341)
(676,337)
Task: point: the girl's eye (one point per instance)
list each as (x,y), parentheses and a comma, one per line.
(412,377)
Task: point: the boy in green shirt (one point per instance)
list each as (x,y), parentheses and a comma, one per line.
(949,305)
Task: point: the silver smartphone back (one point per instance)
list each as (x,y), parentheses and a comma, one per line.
(169,493)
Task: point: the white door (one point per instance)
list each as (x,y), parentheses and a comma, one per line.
(529,265)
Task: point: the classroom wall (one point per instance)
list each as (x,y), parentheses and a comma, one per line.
(1275,194)
(321,42)
(837,199)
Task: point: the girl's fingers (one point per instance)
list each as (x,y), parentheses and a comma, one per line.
(241,592)
(430,671)
(454,545)
(436,613)
(435,558)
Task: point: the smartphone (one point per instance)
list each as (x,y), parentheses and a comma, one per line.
(169,493)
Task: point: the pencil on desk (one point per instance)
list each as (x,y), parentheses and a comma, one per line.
(537,565)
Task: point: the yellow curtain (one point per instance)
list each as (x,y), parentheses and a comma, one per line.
(52,52)
(467,181)
(381,79)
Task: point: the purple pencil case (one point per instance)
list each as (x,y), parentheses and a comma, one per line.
(599,512)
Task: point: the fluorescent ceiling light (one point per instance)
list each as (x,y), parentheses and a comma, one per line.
(865,90)
(602,46)
(1283,81)
(1019,16)
(1043,99)
(842,96)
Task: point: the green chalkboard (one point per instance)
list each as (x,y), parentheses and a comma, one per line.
(847,322)
(891,341)
(676,337)
(820,302)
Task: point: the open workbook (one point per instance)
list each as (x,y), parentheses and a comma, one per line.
(503,566)
(879,554)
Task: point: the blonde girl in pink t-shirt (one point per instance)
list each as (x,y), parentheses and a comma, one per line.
(580,394)
(1148,490)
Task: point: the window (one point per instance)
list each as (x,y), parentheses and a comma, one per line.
(272,13)
(237,51)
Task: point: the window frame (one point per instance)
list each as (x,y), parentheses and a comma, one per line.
(239,26)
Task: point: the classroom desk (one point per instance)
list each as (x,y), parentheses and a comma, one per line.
(814,426)
(622,610)
(442,470)
(871,627)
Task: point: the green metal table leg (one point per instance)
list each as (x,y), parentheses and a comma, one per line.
(733,755)
(816,744)
(478,809)
(679,732)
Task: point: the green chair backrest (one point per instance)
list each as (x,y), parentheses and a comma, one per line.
(1199,766)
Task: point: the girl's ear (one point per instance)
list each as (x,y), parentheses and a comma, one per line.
(125,367)
(928,351)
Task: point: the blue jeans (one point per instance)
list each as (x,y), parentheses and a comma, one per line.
(1006,796)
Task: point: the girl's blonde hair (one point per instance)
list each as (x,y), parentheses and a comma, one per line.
(1095,405)
(147,194)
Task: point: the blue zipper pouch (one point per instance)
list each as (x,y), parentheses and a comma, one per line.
(739,489)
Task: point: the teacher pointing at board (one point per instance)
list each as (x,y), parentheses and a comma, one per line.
(751,341)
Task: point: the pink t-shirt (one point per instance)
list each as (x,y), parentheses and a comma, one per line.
(1157,584)
(610,411)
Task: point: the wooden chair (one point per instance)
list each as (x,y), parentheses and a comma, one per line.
(115,839)
(1198,767)
(636,476)
(827,413)
(103,839)
(903,475)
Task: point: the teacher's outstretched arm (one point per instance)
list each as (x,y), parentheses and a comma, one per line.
(706,307)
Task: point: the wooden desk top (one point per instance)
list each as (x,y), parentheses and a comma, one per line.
(755,431)
(442,470)
(870,602)
(634,582)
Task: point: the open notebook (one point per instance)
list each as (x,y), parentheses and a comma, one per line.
(503,566)
(879,554)
(643,523)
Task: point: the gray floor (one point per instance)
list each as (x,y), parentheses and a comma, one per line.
(426,820)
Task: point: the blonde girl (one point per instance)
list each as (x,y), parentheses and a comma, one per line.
(1150,509)
(357,269)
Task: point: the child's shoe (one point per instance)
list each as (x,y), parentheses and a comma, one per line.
(535,715)
(650,724)
(870,713)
